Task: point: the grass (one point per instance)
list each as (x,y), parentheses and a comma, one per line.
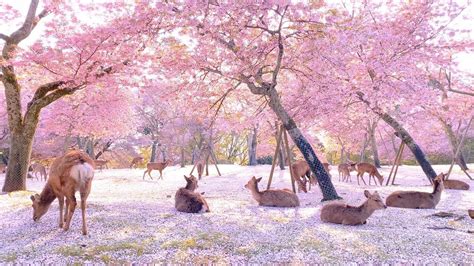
(9,257)
(201,241)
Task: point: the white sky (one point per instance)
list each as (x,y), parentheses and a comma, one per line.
(465,21)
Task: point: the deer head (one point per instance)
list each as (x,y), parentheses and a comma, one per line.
(252,182)
(39,208)
(374,200)
(191,182)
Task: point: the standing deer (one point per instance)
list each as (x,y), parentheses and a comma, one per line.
(101,163)
(418,200)
(272,197)
(135,161)
(301,171)
(156,166)
(340,213)
(362,168)
(37,168)
(69,173)
(186,200)
(344,170)
(200,169)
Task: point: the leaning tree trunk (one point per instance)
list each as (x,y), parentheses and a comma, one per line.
(252,146)
(405,137)
(373,144)
(324,181)
(453,141)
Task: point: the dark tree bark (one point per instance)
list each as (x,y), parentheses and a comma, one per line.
(405,137)
(373,143)
(153,151)
(362,151)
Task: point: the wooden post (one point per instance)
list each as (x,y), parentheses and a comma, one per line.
(275,156)
(395,162)
(398,163)
(288,155)
(461,143)
(214,158)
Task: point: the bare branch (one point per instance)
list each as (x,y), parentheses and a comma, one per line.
(461,92)
(4,37)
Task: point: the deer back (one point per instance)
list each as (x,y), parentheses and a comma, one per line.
(456,184)
(279,198)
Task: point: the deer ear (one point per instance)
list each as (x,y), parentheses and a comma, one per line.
(366,193)
(185,177)
(259,179)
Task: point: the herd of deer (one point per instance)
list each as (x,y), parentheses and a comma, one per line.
(75,170)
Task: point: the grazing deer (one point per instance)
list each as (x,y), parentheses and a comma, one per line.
(362,168)
(101,163)
(340,213)
(37,168)
(455,184)
(272,197)
(156,166)
(69,173)
(301,171)
(418,200)
(186,200)
(135,161)
(344,170)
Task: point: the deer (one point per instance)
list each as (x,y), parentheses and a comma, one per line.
(455,184)
(101,163)
(340,213)
(344,170)
(186,200)
(272,197)
(156,166)
(200,169)
(362,168)
(68,174)
(37,168)
(302,171)
(418,200)
(135,161)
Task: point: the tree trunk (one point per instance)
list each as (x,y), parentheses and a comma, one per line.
(362,151)
(281,158)
(252,146)
(324,181)
(373,144)
(405,137)
(19,162)
(453,141)
(183,163)
(153,151)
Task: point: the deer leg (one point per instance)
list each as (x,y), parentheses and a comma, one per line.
(144,173)
(84,195)
(72,206)
(149,174)
(161,174)
(362,177)
(61,207)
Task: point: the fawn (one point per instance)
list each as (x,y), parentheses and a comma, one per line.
(344,170)
(156,166)
(135,161)
(362,168)
(455,184)
(38,168)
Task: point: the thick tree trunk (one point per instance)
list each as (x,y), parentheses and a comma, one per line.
(453,141)
(281,158)
(19,161)
(324,181)
(362,151)
(373,144)
(252,146)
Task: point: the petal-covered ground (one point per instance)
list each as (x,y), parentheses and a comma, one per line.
(134,220)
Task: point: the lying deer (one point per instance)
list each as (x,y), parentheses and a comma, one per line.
(186,200)
(101,163)
(69,173)
(418,200)
(272,197)
(156,166)
(362,168)
(135,161)
(455,184)
(37,168)
(344,170)
(340,213)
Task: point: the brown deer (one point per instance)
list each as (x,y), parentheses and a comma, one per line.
(186,200)
(344,170)
(418,200)
(135,161)
(455,184)
(156,166)
(69,173)
(272,197)
(302,173)
(37,168)
(362,168)
(200,169)
(340,213)
(101,163)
